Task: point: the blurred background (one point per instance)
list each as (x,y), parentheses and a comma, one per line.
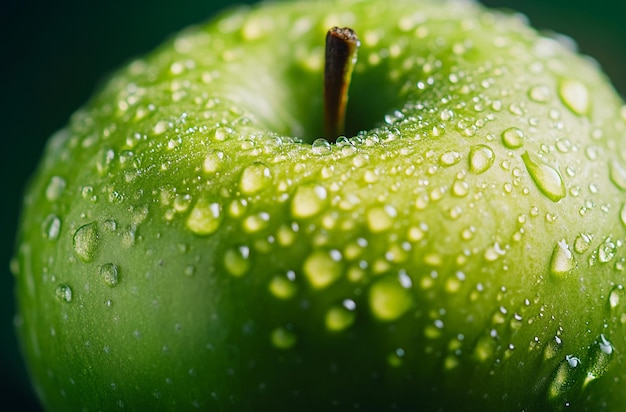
(53,53)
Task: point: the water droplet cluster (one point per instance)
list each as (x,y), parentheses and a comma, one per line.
(451,234)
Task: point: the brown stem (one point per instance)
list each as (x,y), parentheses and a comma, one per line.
(341,55)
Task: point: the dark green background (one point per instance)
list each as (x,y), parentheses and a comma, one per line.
(53,53)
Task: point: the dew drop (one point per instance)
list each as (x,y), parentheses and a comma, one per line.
(86,241)
(283,338)
(481,158)
(388,299)
(539,94)
(55,188)
(513,138)
(105,159)
(607,250)
(109,274)
(237,261)
(381,218)
(63,293)
(129,236)
(340,317)
(493,253)
(255,178)
(547,179)
(205,218)
(256,222)
(213,162)
(562,261)
(286,235)
(449,158)
(617,174)
(616,296)
(323,268)
(283,287)
(582,243)
(160,127)
(564,378)
(395,358)
(321,147)
(308,201)
(460,188)
(483,351)
(451,362)
(600,355)
(574,95)
(51,227)
(552,348)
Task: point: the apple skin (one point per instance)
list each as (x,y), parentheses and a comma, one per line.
(187,243)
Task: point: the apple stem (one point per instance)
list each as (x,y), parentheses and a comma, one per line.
(341,56)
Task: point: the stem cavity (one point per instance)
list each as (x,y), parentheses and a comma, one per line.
(341,56)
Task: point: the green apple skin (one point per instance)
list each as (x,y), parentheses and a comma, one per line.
(188,243)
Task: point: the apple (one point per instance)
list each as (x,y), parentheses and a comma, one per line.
(195,239)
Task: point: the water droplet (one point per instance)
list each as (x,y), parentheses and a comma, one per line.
(481,158)
(617,174)
(256,222)
(109,274)
(105,159)
(139,215)
(51,227)
(63,293)
(616,296)
(388,299)
(547,179)
(582,243)
(460,188)
(622,214)
(434,331)
(308,201)
(575,96)
(214,161)
(395,358)
(205,218)
(539,94)
(255,178)
(564,379)
(55,188)
(190,270)
(451,362)
(86,241)
(323,268)
(552,348)
(449,158)
(283,338)
(381,218)
(483,351)
(286,235)
(600,355)
(283,287)
(321,147)
(562,261)
(340,317)
(160,127)
(513,138)
(607,250)
(237,261)
(493,253)
(129,236)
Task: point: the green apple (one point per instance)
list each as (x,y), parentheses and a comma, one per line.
(191,241)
